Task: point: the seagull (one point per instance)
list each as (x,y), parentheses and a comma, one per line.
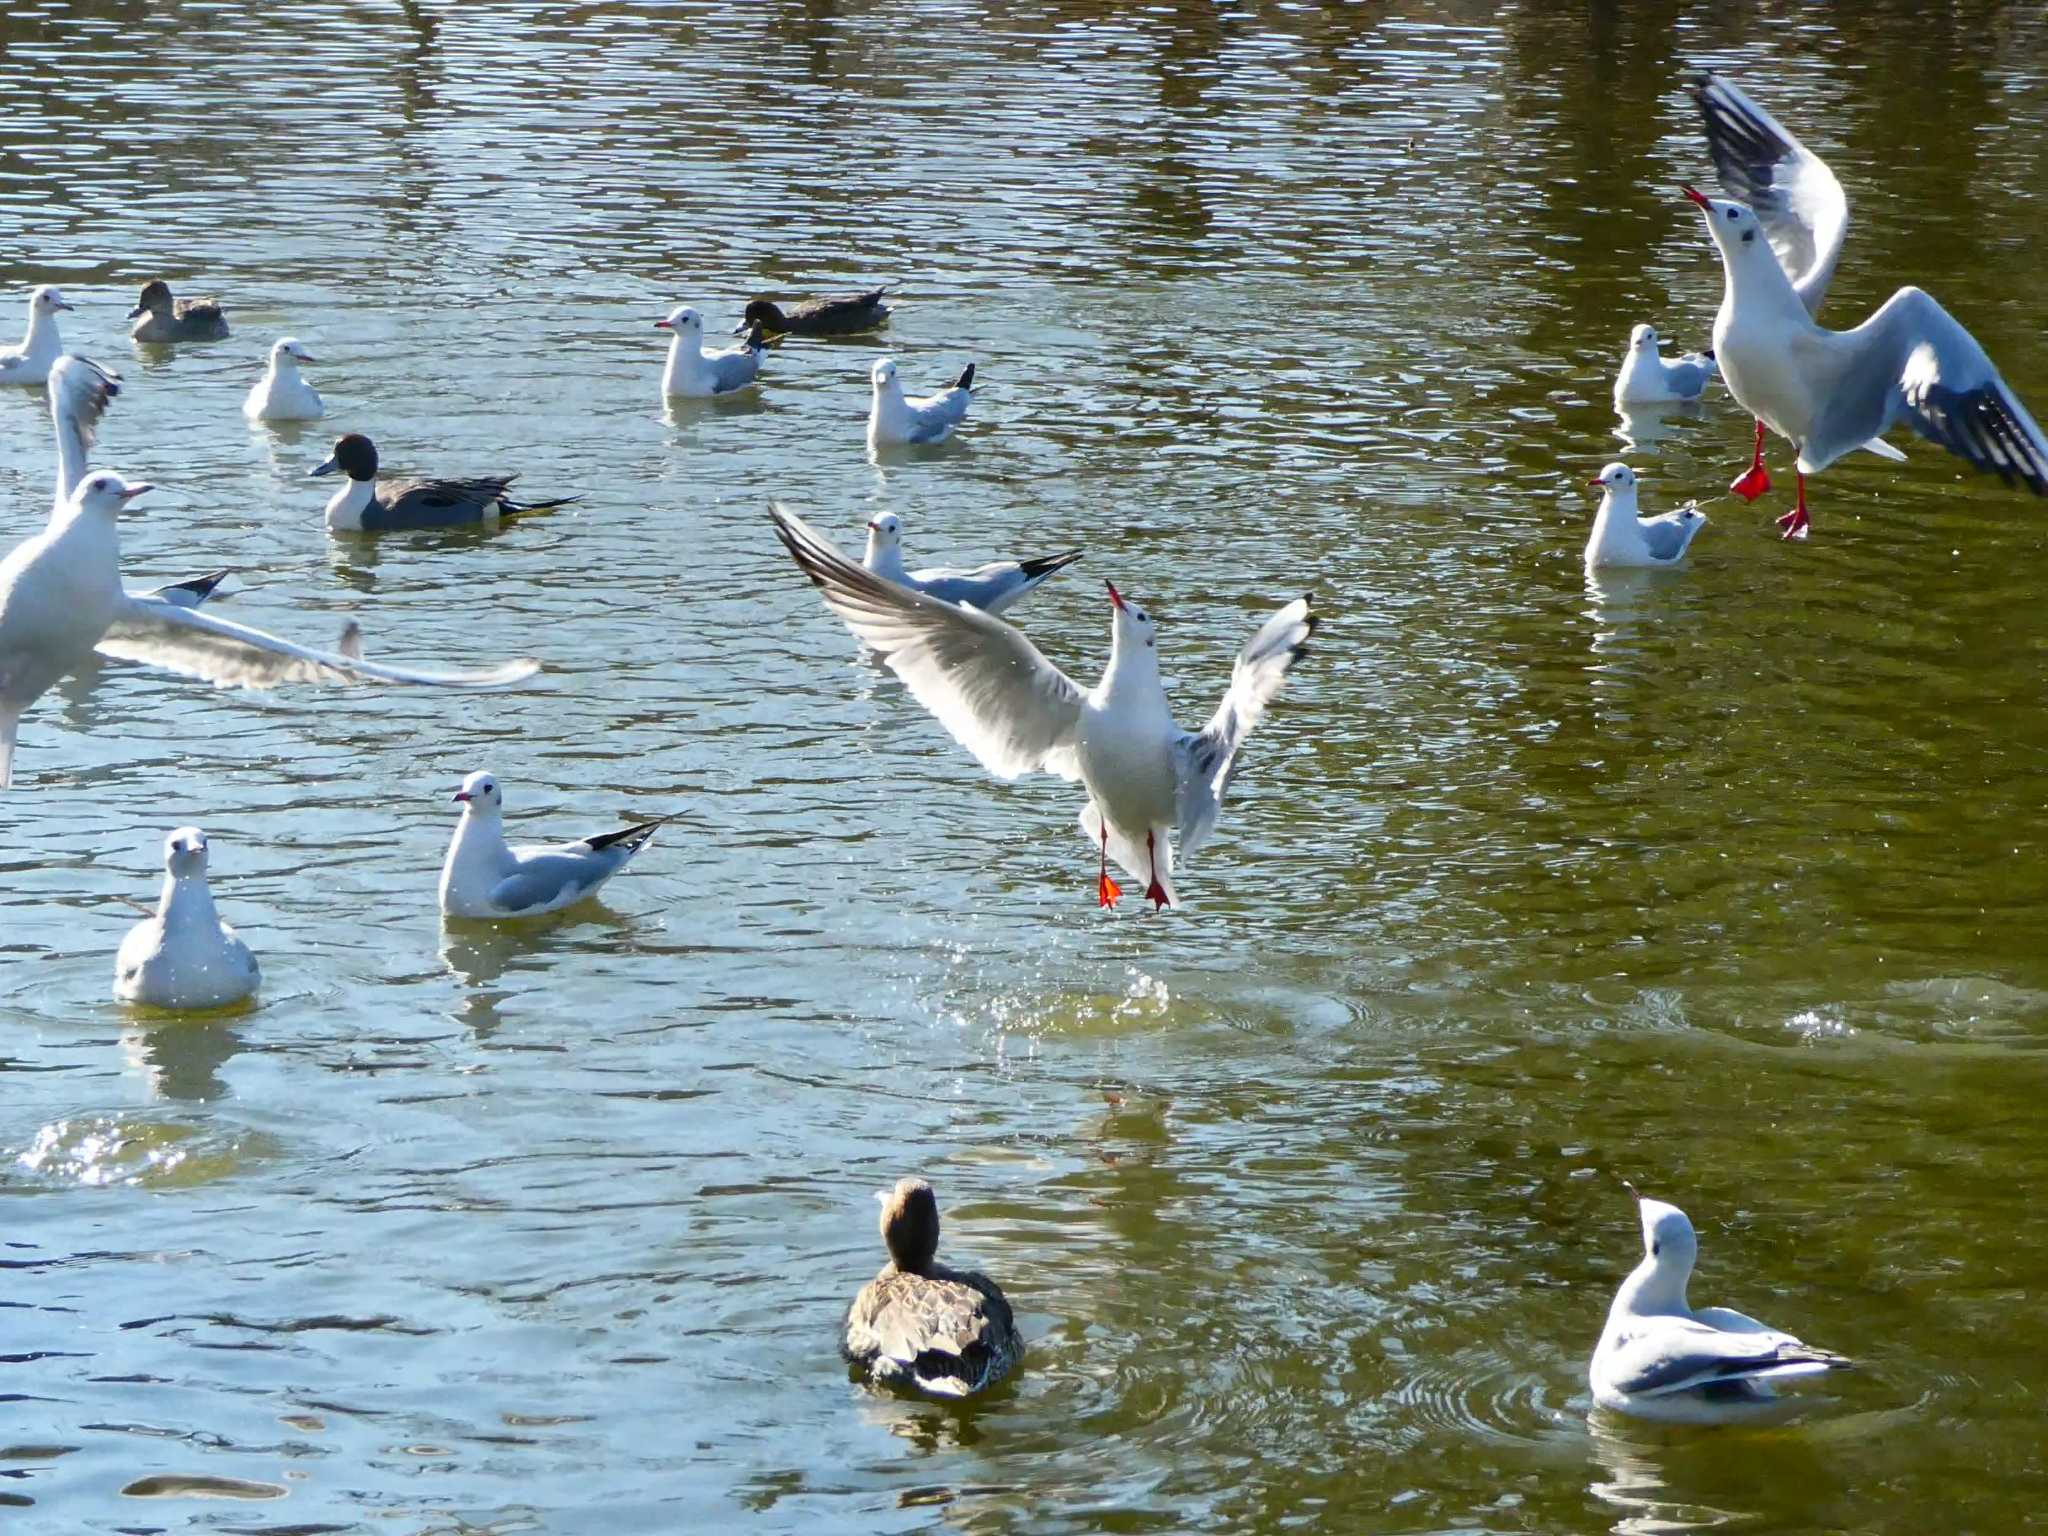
(159,318)
(1646,379)
(696,373)
(1620,537)
(1659,1359)
(849,315)
(896,419)
(282,394)
(1017,712)
(1832,392)
(991,588)
(184,957)
(919,1325)
(365,506)
(31,362)
(485,878)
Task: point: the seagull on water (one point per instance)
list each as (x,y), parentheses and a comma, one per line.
(1018,713)
(695,372)
(1832,392)
(991,588)
(31,362)
(1621,537)
(1647,379)
(1659,1359)
(896,419)
(484,877)
(283,394)
(185,956)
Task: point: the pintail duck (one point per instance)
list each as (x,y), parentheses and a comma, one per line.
(366,506)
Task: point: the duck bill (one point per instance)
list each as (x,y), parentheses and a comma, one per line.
(133,314)
(322,469)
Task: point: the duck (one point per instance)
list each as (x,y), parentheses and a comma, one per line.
(1647,379)
(895,419)
(695,373)
(484,877)
(185,957)
(1621,537)
(848,315)
(992,588)
(1659,1359)
(158,317)
(282,394)
(30,363)
(365,506)
(919,1326)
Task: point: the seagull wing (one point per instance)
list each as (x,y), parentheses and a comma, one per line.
(228,655)
(80,392)
(550,878)
(1912,363)
(1205,761)
(988,685)
(1796,197)
(933,416)
(1661,1356)
(1666,536)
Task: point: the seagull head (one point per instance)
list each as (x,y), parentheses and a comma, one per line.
(185,853)
(354,455)
(47,300)
(1669,1250)
(1733,225)
(288,347)
(1643,338)
(480,795)
(1130,625)
(107,493)
(886,531)
(883,374)
(683,320)
(1616,480)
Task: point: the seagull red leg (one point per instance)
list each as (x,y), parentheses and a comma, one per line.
(1796,522)
(1155,892)
(1754,481)
(1106,889)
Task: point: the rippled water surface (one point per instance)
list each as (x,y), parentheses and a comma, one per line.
(1728,881)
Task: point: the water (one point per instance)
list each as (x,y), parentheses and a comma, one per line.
(1727,882)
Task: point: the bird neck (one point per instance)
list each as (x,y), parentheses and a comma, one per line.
(187,903)
(885,559)
(41,339)
(1133,670)
(1755,281)
(284,368)
(1654,1290)
(349,504)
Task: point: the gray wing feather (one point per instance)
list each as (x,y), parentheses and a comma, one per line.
(1679,1355)
(933,416)
(554,877)
(1666,536)
(1796,198)
(433,503)
(1206,761)
(734,368)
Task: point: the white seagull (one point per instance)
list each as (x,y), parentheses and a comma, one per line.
(1621,537)
(1646,379)
(185,956)
(484,877)
(896,419)
(1659,1359)
(991,588)
(1832,392)
(1018,713)
(283,394)
(31,362)
(61,599)
(693,371)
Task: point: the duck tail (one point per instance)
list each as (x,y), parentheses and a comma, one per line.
(507,508)
(966,379)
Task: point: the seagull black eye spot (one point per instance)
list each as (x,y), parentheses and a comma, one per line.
(1748,235)
(1656,1249)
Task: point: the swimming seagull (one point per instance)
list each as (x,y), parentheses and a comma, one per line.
(1646,379)
(1659,1359)
(159,318)
(694,372)
(185,956)
(283,394)
(366,506)
(849,315)
(1621,537)
(991,588)
(31,362)
(483,877)
(895,419)
(1018,713)
(919,1325)
(1832,392)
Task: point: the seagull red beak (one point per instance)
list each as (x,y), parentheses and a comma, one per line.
(1598,485)
(1115,596)
(1694,194)
(663,325)
(462,794)
(871,526)
(134,491)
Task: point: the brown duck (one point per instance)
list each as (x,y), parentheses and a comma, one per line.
(159,317)
(846,316)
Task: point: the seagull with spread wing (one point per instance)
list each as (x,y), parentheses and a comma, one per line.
(1018,713)
(1832,392)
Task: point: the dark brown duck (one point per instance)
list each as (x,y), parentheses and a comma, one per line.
(848,315)
(159,317)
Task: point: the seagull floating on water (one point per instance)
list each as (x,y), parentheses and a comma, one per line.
(1659,1359)
(896,419)
(484,877)
(283,394)
(1018,713)
(1621,537)
(992,588)
(919,1325)
(849,315)
(1832,392)
(31,362)
(185,957)
(694,372)
(1647,379)
(159,318)
(366,506)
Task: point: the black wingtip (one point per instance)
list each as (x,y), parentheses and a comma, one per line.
(1046,565)
(966,379)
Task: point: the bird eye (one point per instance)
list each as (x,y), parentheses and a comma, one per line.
(1734,213)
